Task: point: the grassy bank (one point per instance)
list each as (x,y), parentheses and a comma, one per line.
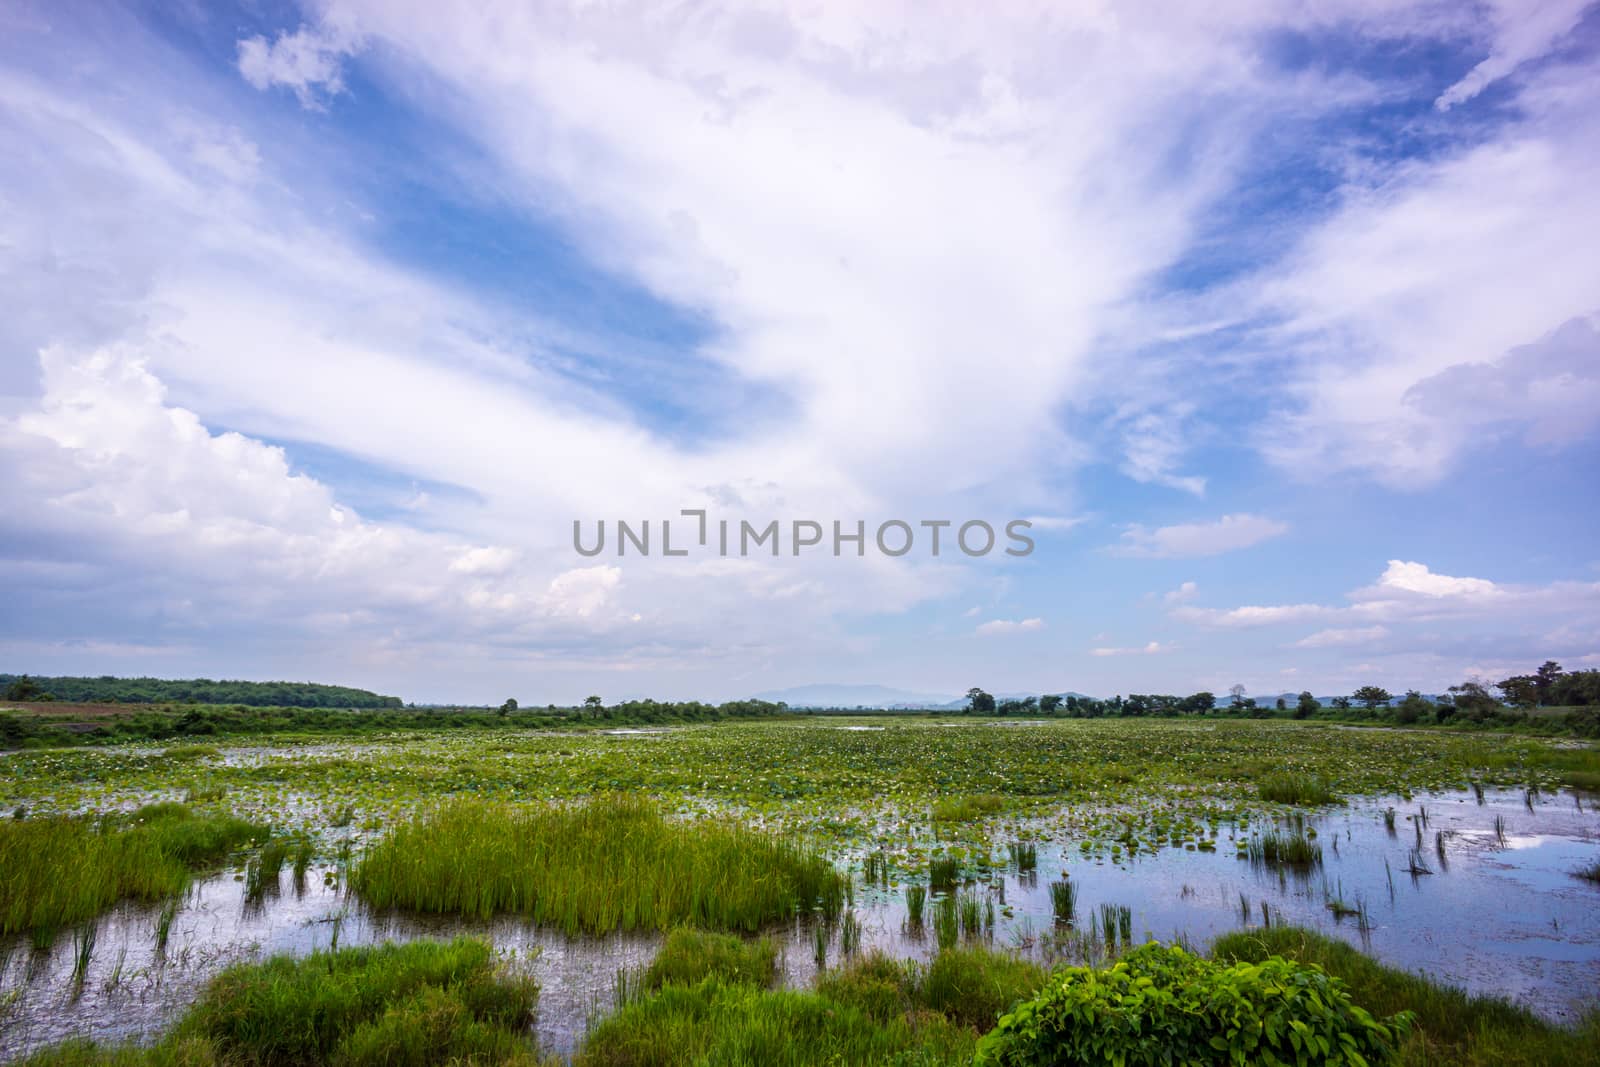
(411,1005)
(613,863)
(1451,1028)
(58,871)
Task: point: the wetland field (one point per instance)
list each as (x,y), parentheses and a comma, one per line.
(914,890)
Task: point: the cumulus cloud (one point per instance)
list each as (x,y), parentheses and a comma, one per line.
(1009,626)
(1187,540)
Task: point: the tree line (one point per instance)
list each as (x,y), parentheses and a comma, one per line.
(109,690)
(1472,701)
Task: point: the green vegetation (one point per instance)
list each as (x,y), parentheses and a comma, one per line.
(190,691)
(1163,1005)
(1297,789)
(689,957)
(966,809)
(615,863)
(871,1011)
(58,871)
(410,1005)
(1290,848)
(1450,1026)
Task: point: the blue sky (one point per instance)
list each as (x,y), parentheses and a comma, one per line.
(325,321)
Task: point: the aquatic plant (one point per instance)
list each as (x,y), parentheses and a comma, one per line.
(55,872)
(1064,901)
(1203,1012)
(849,934)
(944,873)
(916,900)
(1024,855)
(1297,789)
(1291,849)
(946,923)
(688,957)
(605,865)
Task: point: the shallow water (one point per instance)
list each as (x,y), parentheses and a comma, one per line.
(1506,918)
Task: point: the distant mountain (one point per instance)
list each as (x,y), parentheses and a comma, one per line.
(875,696)
(854,696)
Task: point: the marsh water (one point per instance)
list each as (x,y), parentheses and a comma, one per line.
(1500,911)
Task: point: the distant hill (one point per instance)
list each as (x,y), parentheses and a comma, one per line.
(195,691)
(853,696)
(876,696)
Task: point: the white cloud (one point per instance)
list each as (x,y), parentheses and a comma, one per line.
(1403,577)
(1186,540)
(308,61)
(1186,591)
(1009,626)
(1336,637)
(1524,31)
(1152,649)
(1251,615)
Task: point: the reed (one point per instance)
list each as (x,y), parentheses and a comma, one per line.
(1024,855)
(946,923)
(83,941)
(1297,789)
(1500,830)
(164,920)
(819,944)
(1290,849)
(1064,901)
(944,872)
(849,934)
(1589,872)
(971,912)
(1388,820)
(688,957)
(607,865)
(916,900)
(56,872)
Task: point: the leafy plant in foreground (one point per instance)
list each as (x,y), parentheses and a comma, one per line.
(1162,1005)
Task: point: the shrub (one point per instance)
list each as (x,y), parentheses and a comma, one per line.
(1162,1005)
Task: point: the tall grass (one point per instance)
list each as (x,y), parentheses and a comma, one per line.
(1452,1027)
(1297,789)
(944,872)
(1290,848)
(946,923)
(1024,855)
(916,900)
(688,957)
(55,872)
(427,1002)
(968,808)
(1064,901)
(607,865)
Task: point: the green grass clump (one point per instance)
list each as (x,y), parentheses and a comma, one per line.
(57,871)
(607,865)
(688,957)
(870,1011)
(188,752)
(1297,789)
(413,1005)
(1161,1005)
(968,808)
(974,986)
(1589,872)
(1291,849)
(1451,1026)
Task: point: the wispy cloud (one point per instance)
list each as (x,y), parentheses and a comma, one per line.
(1187,540)
(1009,626)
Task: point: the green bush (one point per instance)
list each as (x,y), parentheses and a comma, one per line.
(1162,1005)
(688,957)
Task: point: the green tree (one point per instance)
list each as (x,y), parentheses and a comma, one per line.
(508,707)
(1520,691)
(1413,708)
(979,702)
(593,705)
(1306,706)
(1545,681)
(1049,703)
(1371,696)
